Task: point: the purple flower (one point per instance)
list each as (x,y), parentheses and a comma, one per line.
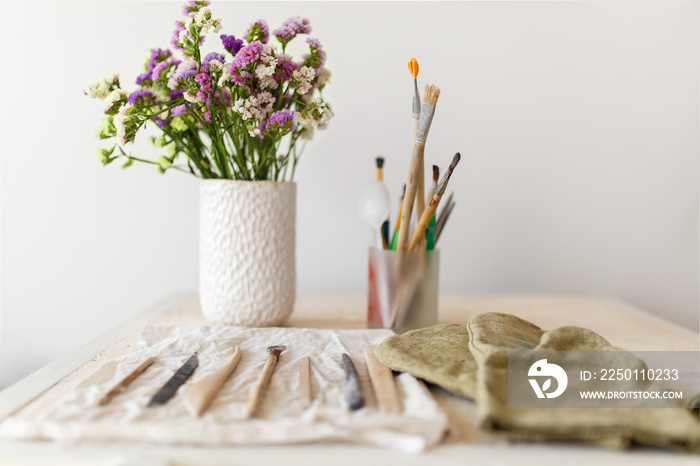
(285,67)
(140,97)
(317,58)
(177,111)
(191,7)
(175,39)
(157,56)
(146,76)
(291,28)
(227,101)
(213,56)
(176,94)
(161,123)
(188,73)
(243,58)
(258,31)
(280,122)
(166,64)
(204,81)
(231,44)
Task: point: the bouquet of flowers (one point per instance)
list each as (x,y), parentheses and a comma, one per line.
(235,115)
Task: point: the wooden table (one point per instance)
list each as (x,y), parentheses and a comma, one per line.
(618,322)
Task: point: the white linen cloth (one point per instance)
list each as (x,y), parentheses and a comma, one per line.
(280,419)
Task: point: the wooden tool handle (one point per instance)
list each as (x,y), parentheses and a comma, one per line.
(200,394)
(305,382)
(123,383)
(423,222)
(383,383)
(410,196)
(260,385)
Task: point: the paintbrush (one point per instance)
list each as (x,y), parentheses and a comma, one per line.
(430,232)
(395,237)
(432,206)
(440,227)
(415,114)
(385,225)
(264,378)
(427,111)
(413,68)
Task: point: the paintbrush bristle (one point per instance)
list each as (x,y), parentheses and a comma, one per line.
(403,193)
(413,67)
(380,162)
(455,161)
(436,172)
(431,94)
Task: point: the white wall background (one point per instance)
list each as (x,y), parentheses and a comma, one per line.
(578,123)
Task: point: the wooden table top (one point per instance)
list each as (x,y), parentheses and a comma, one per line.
(620,323)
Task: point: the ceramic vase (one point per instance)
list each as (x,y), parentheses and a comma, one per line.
(247,257)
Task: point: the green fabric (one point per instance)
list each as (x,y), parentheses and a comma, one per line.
(438,354)
(473,361)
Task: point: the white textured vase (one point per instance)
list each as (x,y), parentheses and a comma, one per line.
(247,269)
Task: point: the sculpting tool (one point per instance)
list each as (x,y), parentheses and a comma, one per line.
(171,386)
(385,225)
(427,111)
(305,382)
(382,382)
(200,394)
(123,383)
(354,395)
(432,205)
(264,378)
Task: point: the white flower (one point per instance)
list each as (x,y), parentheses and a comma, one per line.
(323,77)
(204,20)
(114,97)
(225,77)
(268,62)
(255,132)
(193,98)
(102,87)
(317,114)
(268,82)
(303,78)
(120,124)
(254,108)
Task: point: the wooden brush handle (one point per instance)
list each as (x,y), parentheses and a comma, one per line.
(305,382)
(423,222)
(261,384)
(382,382)
(123,383)
(410,196)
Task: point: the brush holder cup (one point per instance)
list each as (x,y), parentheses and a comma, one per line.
(403,289)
